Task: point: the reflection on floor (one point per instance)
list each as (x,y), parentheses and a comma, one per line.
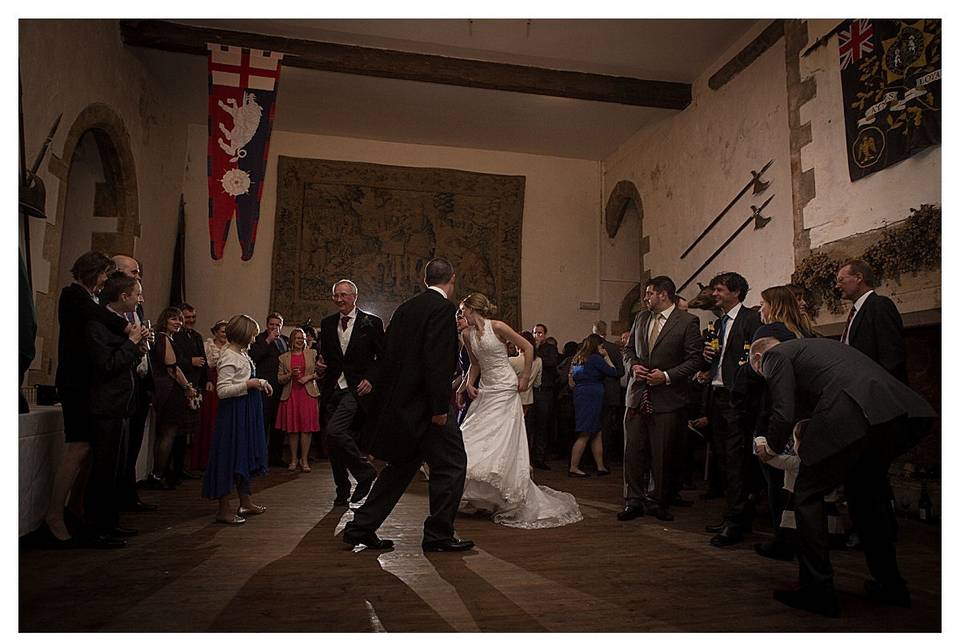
(288,571)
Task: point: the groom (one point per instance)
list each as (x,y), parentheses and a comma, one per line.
(416,422)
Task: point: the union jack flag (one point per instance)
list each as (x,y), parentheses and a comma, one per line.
(855,42)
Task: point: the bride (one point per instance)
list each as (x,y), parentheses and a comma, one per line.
(494,436)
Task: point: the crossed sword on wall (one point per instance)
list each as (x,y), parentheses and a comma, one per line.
(759,222)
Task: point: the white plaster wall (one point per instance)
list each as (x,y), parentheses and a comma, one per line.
(688,167)
(560,226)
(67,65)
(842,208)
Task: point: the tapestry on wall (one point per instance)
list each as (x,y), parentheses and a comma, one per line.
(242,99)
(890,71)
(379,225)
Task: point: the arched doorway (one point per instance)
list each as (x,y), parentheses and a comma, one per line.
(97,209)
(623,204)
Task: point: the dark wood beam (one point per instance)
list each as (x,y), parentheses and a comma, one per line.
(745,58)
(402,65)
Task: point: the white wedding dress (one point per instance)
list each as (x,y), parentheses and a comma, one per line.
(498,463)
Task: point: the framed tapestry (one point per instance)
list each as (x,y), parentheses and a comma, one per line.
(378,225)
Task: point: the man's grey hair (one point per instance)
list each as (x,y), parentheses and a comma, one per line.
(352,284)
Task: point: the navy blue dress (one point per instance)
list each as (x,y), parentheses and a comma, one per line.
(588,394)
(239,448)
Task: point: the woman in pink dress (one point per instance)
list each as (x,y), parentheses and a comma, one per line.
(200,451)
(298,414)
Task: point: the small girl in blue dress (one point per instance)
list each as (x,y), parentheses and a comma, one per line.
(239,448)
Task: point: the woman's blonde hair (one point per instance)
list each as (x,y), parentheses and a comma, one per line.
(784,308)
(479,303)
(242,329)
(300,331)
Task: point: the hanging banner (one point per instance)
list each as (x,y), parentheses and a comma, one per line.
(890,71)
(241,108)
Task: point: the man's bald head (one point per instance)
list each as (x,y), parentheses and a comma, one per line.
(128,265)
(757,349)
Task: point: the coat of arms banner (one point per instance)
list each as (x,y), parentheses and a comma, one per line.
(890,71)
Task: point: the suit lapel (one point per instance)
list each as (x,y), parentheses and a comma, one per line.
(644,351)
(357,323)
(667,326)
(858,319)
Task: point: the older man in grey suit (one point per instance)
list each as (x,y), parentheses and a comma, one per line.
(861,419)
(663,352)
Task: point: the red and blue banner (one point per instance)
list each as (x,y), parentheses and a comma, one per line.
(242,103)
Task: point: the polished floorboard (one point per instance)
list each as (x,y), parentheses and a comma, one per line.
(287,571)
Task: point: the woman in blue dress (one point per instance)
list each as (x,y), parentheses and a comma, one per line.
(589,367)
(239,447)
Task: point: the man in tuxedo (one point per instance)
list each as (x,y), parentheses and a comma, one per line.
(142,392)
(265,353)
(861,419)
(662,353)
(611,416)
(351,343)
(874,325)
(113,362)
(732,442)
(543,420)
(192,360)
(417,420)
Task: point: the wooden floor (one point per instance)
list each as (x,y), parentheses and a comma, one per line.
(288,571)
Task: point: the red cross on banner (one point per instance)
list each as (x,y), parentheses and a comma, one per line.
(855,42)
(242,99)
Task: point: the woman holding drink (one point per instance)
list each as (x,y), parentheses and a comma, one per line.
(298,414)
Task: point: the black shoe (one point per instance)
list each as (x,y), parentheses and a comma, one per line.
(774,550)
(630,512)
(123,532)
(366,538)
(878,592)
(452,544)
(363,488)
(603,472)
(540,464)
(680,502)
(727,537)
(824,602)
(663,513)
(713,528)
(139,505)
(189,475)
(341,501)
(102,541)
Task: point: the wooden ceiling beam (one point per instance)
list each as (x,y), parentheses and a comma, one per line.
(403,65)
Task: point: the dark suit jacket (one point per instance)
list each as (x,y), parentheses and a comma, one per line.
(611,386)
(266,358)
(416,372)
(842,391)
(111,371)
(741,333)
(550,357)
(361,358)
(75,309)
(188,344)
(877,331)
(677,351)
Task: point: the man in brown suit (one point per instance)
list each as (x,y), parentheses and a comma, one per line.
(663,352)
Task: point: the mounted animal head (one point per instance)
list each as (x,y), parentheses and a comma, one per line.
(704,301)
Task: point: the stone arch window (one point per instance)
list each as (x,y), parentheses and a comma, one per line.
(623,199)
(116,198)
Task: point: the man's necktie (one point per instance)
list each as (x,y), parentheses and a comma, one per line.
(344,321)
(715,367)
(846,329)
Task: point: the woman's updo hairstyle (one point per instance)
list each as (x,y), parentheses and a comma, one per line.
(480,304)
